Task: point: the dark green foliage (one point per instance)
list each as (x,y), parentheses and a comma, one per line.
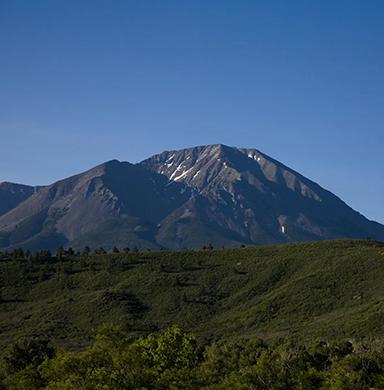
(100,251)
(19,368)
(324,290)
(173,359)
(60,252)
(26,353)
(70,252)
(259,316)
(86,251)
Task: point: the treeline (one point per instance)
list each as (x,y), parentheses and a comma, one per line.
(22,269)
(174,359)
(61,252)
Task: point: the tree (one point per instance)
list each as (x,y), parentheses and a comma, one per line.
(43,274)
(70,252)
(60,252)
(172,349)
(86,251)
(100,251)
(18,253)
(27,353)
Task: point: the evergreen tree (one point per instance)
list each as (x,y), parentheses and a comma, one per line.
(60,252)
(70,252)
(100,251)
(86,251)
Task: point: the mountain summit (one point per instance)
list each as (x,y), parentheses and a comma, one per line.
(179,199)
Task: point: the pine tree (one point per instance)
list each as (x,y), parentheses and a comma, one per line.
(70,251)
(60,252)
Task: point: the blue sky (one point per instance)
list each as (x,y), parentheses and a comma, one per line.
(82,82)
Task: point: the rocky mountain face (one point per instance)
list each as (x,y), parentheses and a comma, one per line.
(179,199)
(11,195)
(113,202)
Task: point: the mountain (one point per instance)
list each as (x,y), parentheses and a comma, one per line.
(252,198)
(113,203)
(215,194)
(11,195)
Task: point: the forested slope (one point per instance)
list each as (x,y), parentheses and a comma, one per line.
(326,289)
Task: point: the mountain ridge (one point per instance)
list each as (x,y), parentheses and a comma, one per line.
(178,199)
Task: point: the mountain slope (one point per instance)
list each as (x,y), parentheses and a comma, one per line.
(114,194)
(214,194)
(259,199)
(11,195)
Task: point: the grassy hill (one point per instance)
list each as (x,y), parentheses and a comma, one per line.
(330,289)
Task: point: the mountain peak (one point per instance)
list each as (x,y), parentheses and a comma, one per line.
(214,193)
(113,162)
(201,165)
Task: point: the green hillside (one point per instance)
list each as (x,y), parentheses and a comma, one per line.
(327,290)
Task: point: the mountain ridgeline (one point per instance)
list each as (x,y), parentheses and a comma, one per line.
(215,194)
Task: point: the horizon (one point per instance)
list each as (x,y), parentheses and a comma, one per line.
(88,82)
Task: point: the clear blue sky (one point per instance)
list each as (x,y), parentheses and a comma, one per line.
(82,82)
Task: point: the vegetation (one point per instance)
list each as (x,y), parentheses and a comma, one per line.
(173,359)
(325,290)
(318,307)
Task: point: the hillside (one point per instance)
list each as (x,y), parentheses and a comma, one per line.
(180,199)
(328,289)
